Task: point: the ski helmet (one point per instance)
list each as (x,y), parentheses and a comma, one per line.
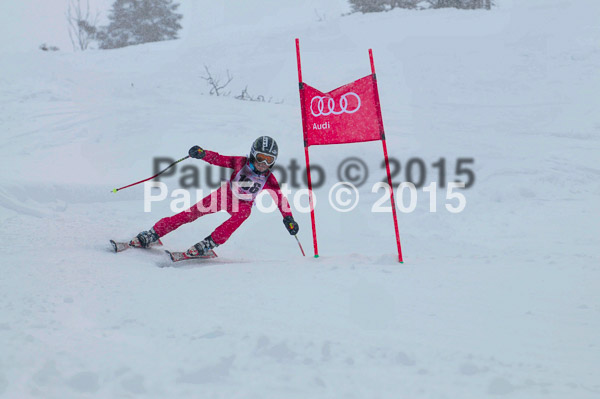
(264,149)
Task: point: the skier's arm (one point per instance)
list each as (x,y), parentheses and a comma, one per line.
(214,158)
(282,203)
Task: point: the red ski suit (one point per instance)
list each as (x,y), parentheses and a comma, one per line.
(223,199)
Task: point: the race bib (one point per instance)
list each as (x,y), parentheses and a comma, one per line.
(246,184)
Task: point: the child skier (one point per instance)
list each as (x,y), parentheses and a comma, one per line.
(250,175)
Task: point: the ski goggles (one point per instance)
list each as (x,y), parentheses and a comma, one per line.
(264,158)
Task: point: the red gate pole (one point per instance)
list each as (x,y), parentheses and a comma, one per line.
(385,154)
(310,192)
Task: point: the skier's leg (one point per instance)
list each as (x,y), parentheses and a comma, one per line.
(224,231)
(209,204)
(227,228)
(239,211)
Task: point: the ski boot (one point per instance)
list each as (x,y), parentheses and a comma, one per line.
(202,248)
(145,239)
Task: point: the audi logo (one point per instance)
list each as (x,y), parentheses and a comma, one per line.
(326,105)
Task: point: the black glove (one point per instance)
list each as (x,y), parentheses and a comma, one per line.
(291,225)
(197,152)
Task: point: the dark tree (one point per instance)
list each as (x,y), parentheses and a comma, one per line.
(365,6)
(140,21)
(468,4)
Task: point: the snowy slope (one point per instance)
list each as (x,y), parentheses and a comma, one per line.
(501,299)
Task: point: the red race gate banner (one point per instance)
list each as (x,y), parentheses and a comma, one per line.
(348,114)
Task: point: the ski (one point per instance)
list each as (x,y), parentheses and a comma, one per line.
(179,256)
(122,246)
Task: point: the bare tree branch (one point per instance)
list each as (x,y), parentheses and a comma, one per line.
(245,96)
(82,25)
(215,83)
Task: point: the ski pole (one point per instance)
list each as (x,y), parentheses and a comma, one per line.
(150,178)
(300,245)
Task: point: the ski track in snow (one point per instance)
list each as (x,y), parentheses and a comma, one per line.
(501,300)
